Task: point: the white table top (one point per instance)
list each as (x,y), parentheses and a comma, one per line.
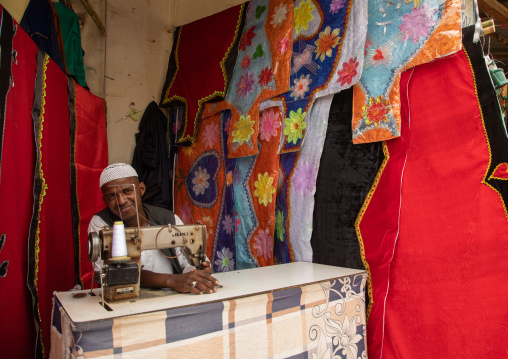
(83,307)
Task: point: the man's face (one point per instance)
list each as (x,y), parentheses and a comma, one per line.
(121,196)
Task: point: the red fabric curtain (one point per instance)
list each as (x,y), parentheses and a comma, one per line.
(17,331)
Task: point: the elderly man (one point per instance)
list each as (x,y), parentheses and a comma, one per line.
(122,193)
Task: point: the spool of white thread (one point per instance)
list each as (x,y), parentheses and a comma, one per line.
(119,245)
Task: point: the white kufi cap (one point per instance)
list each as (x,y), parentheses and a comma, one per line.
(116,171)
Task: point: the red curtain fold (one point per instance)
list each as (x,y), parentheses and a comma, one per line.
(90,156)
(17,332)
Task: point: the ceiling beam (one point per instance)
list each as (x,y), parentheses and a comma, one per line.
(495,10)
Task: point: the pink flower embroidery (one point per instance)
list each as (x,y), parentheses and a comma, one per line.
(418,23)
(301,86)
(237,222)
(245,85)
(246,39)
(265,76)
(304,179)
(336,5)
(282,45)
(263,244)
(348,72)
(245,62)
(210,134)
(268,124)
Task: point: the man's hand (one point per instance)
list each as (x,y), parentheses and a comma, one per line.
(195,281)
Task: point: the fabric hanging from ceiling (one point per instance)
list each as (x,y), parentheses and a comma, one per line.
(445,220)
(71,37)
(203,191)
(50,243)
(424,32)
(298,188)
(328,39)
(197,59)
(346,174)
(38,22)
(336,66)
(255,182)
(89,156)
(261,71)
(17,332)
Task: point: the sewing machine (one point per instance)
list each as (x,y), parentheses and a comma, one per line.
(120,278)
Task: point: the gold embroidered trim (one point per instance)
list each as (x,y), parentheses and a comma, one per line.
(359,219)
(43,185)
(215,93)
(486,136)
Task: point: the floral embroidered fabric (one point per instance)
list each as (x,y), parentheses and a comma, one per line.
(401,35)
(261,71)
(328,39)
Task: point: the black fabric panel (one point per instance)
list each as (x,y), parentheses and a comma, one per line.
(38,22)
(7,33)
(492,116)
(346,173)
(151,158)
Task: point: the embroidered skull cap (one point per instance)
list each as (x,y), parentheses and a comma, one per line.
(116,171)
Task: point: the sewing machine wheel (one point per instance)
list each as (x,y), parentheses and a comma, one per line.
(93,247)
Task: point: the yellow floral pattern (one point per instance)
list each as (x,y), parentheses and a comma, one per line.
(303,15)
(326,43)
(295,125)
(264,189)
(244,129)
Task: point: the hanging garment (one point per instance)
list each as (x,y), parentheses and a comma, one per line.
(150,159)
(434,225)
(89,156)
(261,71)
(71,35)
(346,173)
(255,183)
(295,194)
(328,47)
(50,243)
(18,331)
(38,22)
(200,67)
(400,35)
(204,192)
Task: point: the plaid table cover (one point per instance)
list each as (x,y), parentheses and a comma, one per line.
(310,321)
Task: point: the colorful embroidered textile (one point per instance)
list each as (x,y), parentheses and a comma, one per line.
(446,214)
(346,174)
(502,97)
(17,332)
(203,191)
(89,156)
(200,67)
(261,71)
(51,243)
(302,322)
(297,185)
(327,57)
(255,184)
(400,35)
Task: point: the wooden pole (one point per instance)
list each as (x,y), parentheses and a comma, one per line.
(94,16)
